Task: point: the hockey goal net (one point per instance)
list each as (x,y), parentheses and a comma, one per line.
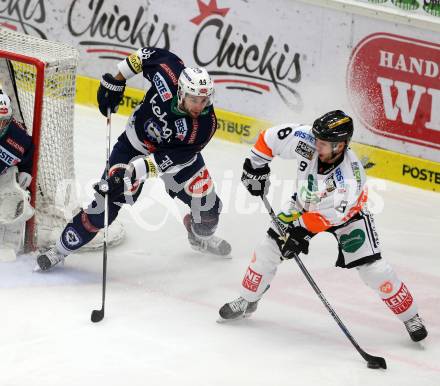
(40,78)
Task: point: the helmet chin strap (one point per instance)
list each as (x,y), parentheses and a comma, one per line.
(334,146)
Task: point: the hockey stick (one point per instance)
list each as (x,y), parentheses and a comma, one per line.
(98,315)
(372,361)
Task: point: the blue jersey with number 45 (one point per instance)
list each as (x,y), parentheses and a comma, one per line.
(157,125)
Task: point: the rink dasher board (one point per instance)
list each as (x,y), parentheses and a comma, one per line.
(238,128)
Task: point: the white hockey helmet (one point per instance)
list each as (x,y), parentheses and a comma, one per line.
(195,81)
(5,110)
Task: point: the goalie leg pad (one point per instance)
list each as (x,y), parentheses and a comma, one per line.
(382,278)
(11,238)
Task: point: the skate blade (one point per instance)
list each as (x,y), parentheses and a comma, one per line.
(220,320)
(209,253)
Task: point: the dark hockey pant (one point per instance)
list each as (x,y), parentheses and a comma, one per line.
(191,184)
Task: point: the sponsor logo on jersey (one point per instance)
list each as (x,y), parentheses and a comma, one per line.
(162,87)
(170,73)
(339,176)
(307,136)
(200,184)
(182,128)
(305,150)
(252,280)
(135,63)
(8,158)
(71,237)
(330,183)
(195,130)
(394,84)
(353,241)
(401,301)
(357,175)
(145,53)
(162,116)
(15,145)
(309,194)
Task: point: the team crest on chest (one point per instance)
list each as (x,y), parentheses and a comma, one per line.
(181,128)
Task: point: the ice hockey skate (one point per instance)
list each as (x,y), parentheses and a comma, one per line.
(49,259)
(213,244)
(237,309)
(416,329)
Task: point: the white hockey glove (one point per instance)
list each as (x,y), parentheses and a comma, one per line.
(125,179)
(14,201)
(24,180)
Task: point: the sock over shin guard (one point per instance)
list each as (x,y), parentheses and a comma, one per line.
(381,277)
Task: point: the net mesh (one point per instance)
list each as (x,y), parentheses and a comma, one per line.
(55,189)
(55,159)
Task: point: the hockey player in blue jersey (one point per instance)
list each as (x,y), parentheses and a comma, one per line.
(16,147)
(16,152)
(163,137)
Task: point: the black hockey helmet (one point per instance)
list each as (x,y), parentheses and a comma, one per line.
(334,126)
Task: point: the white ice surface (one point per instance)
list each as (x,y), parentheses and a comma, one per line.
(162,298)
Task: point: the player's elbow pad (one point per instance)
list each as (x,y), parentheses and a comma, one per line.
(145,167)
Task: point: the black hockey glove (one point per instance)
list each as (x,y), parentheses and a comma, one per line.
(110,93)
(256,180)
(121,180)
(297,241)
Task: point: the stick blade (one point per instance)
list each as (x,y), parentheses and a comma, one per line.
(376,362)
(97,315)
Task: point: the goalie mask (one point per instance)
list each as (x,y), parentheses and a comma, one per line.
(5,110)
(196,82)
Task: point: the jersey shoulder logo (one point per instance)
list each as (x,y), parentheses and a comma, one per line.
(305,150)
(162,87)
(145,53)
(135,63)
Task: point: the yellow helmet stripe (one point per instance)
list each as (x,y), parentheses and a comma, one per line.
(339,122)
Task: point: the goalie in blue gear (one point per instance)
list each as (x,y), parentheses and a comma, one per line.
(16,152)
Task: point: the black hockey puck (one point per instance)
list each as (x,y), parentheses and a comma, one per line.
(373,365)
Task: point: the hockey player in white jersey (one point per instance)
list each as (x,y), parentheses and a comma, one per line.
(331,196)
